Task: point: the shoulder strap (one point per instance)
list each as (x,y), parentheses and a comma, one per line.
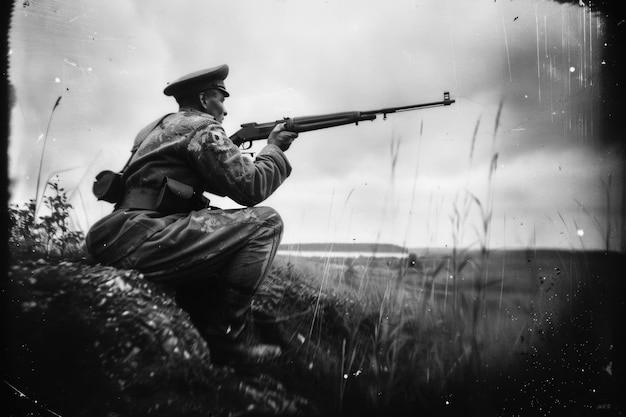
(143,133)
(141,136)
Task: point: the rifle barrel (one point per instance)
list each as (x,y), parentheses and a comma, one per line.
(258,131)
(389,110)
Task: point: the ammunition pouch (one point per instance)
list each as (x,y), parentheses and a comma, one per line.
(108,186)
(177,197)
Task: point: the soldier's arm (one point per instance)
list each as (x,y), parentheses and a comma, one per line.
(222,166)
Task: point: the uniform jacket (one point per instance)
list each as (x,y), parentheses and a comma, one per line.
(190,147)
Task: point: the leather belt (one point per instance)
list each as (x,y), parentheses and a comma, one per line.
(152,199)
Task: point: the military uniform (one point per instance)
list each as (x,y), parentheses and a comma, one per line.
(215,258)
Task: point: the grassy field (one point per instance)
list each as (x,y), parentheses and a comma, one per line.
(530,332)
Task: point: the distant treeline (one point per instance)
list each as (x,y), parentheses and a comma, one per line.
(342,247)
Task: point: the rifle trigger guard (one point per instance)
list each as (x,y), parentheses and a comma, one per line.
(246,145)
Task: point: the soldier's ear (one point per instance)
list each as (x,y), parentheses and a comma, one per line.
(203,99)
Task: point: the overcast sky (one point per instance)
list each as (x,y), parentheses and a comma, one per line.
(537,166)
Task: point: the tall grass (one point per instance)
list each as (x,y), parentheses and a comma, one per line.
(406,349)
(43,151)
(422,334)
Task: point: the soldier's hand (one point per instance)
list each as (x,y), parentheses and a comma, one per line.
(281,137)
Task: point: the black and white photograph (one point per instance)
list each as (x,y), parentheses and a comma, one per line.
(314,208)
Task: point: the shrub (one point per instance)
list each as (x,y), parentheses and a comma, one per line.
(48,235)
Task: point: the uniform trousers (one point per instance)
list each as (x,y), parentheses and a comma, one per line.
(215,259)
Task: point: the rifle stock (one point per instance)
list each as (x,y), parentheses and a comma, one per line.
(250,132)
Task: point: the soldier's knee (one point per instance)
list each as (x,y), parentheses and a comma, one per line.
(269,218)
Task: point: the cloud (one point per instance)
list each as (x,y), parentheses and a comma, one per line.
(112,59)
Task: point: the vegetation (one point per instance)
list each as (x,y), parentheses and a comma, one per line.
(541,338)
(50,235)
(518,342)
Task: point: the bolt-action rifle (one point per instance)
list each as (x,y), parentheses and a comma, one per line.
(250,132)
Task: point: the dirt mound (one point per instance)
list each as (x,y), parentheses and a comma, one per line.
(88,340)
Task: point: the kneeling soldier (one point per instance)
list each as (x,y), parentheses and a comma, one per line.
(163,226)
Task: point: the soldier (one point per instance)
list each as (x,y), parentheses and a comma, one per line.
(163,226)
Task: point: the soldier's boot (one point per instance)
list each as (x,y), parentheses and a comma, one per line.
(269,329)
(224,332)
(220,316)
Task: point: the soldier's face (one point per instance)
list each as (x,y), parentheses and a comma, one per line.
(213,103)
